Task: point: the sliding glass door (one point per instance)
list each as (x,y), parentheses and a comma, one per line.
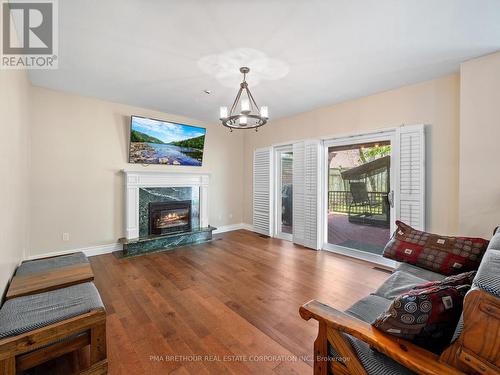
(359,202)
(284,192)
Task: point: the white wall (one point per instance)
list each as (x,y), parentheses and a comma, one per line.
(433,102)
(79,146)
(479,145)
(14,152)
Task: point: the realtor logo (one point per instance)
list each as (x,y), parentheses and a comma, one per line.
(29,34)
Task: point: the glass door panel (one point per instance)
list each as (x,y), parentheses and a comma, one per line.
(284,201)
(359,212)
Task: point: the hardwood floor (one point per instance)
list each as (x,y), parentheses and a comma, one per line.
(236,298)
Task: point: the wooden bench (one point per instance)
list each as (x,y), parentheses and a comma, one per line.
(40,327)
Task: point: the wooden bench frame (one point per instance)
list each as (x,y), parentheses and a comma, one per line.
(21,352)
(477,350)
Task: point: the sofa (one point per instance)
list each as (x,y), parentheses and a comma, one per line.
(347,343)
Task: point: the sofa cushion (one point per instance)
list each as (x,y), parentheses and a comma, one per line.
(464,278)
(426,316)
(369,308)
(495,240)
(420,272)
(374,362)
(40,265)
(398,283)
(488,275)
(24,314)
(442,254)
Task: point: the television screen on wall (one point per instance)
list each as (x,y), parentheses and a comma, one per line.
(163,142)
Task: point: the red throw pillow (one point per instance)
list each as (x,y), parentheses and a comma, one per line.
(441,254)
(426,316)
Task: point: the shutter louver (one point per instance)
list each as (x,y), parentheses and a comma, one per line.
(412,176)
(262,193)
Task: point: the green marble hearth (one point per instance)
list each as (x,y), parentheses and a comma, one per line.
(148,244)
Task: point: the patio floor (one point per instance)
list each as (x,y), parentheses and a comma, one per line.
(286,228)
(356,236)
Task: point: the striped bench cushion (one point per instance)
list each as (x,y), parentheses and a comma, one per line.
(40,265)
(25,314)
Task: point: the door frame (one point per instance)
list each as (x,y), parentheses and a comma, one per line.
(277,150)
(389,135)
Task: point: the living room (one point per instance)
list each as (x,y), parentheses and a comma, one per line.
(250,187)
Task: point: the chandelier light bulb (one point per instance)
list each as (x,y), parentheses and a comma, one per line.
(223,112)
(264,111)
(243,120)
(245,106)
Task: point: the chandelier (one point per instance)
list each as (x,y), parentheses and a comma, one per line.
(249,116)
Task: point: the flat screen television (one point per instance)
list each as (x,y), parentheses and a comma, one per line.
(163,142)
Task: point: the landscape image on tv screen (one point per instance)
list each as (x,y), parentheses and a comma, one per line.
(162,142)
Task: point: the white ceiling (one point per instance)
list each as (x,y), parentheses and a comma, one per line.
(304,53)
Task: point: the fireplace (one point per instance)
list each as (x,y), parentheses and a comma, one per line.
(169,217)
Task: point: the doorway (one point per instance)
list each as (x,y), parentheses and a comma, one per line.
(284,192)
(359,203)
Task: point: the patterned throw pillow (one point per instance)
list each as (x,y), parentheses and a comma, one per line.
(427,317)
(441,254)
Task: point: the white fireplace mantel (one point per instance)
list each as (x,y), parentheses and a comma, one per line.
(134,180)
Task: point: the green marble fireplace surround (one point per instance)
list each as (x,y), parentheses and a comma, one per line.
(145,187)
(167,194)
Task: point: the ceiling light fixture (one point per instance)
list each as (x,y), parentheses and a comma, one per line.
(250,115)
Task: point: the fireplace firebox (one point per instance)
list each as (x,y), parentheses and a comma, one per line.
(169,217)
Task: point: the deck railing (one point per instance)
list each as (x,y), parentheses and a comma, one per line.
(341,201)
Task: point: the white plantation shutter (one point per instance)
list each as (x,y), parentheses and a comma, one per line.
(312,193)
(262,192)
(298,193)
(411,203)
(306,194)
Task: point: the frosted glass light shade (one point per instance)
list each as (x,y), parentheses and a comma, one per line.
(245,106)
(243,120)
(223,112)
(264,111)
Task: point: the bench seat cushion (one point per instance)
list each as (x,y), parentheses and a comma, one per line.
(24,314)
(368,309)
(420,272)
(398,283)
(374,362)
(488,275)
(41,265)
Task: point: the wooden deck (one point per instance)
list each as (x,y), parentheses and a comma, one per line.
(235,298)
(363,237)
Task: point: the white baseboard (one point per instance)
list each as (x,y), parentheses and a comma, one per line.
(247,226)
(88,251)
(231,227)
(363,255)
(109,248)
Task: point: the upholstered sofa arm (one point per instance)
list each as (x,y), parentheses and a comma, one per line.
(409,355)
